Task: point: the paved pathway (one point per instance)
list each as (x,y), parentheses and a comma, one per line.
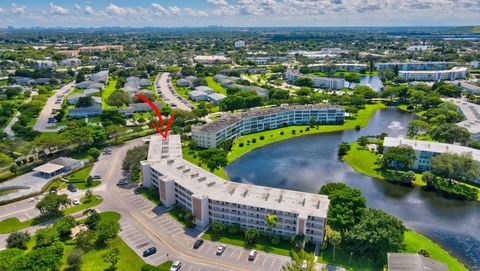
(8,129)
(42,121)
(165,89)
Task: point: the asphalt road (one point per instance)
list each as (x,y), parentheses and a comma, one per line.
(42,121)
(168,94)
(144,225)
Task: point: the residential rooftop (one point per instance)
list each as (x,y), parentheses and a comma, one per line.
(436,147)
(471,112)
(229,119)
(206,184)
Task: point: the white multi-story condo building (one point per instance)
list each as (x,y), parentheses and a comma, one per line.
(452,74)
(212,59)
(209,197)
(471,112)
(239,44)
(349,67)
(318,81)
(414,66)
(475,64)
(231,126)
(425,150)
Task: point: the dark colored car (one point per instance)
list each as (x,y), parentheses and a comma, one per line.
(149,251)
(72,188)
(198,243)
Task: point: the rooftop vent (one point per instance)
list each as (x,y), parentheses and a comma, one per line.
(245,193)
(201,179)
(210,184)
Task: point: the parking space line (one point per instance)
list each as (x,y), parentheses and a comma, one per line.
(241,252)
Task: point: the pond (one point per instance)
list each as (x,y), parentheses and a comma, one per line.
(372,81)
(306,163)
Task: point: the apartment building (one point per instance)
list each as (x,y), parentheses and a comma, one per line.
(239,44)
(212,59)
(231,126)
(349,67)
(318,81)
(414,65)
(425,150)
(209,198)
(100,48)
(452,74)
(475,64)
(471,113)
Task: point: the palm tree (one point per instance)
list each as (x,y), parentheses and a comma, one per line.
(271,220)
(335,239)
(298,261)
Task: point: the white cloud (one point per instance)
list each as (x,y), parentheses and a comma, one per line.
(218,2)
(1,10)
(175,10)
(16,9)
(115,10)
(158,10)
(196,13)
(88,10)
(54,9)
(77,6)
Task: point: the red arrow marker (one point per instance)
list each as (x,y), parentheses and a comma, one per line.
(157,112)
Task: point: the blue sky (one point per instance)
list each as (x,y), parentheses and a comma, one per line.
(171,13)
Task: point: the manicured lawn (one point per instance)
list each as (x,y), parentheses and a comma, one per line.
(271,136)
(109,89)
(150,194)
(13,224)
(191,156)
(415,241)
(263,242)
(215,86)
(79,178)
(364,161)
(342,258)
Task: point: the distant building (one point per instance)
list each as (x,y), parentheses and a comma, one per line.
(215,98)
(413,262)
(239,44)
(184,83)
(264,60)
(58,166)
(71,62)
(349,67)
(414,65)
(419,47)
(453,74)
(324,53)
(84,112)
(100,48)
(471,113)
(101,76)
(138,108)
(231,126)
(68,53)
(212,59)
(46,64)
(23,80)
(475,64)
(197,95)
(74,98)
(425,150)
(318,81)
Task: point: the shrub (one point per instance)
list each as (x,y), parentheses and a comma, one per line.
(281,133)
(262,137)
(18,240)
(294,132)
(358,127)
(30,159)
(307,129)
(424,252)
(240,145)
(233,229)
(410,107)
(74,259)
(275,240)
(254,140)
(301,131)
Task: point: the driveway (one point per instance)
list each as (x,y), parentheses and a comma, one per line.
(165,89)
(42,121)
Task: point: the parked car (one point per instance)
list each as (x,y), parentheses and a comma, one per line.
(176,266)
(198,243)
(72,188)
(96,177)
(220,249)
(252,255)
(149,251)
(76,202)
(122,182)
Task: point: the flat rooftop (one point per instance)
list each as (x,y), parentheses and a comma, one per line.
(454,69)
(206,184)
(471,112)
(436,147)
(229,119)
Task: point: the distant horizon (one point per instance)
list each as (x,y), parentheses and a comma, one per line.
(238,13)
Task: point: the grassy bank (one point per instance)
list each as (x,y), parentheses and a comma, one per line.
(272,136)
(109,89)
(414,241)
(364,161)
(14,224)
(215,86)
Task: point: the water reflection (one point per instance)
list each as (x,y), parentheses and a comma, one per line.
(308,162)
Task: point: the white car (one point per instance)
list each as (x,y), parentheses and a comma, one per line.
(176,266)
(76,202)
(220,249)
